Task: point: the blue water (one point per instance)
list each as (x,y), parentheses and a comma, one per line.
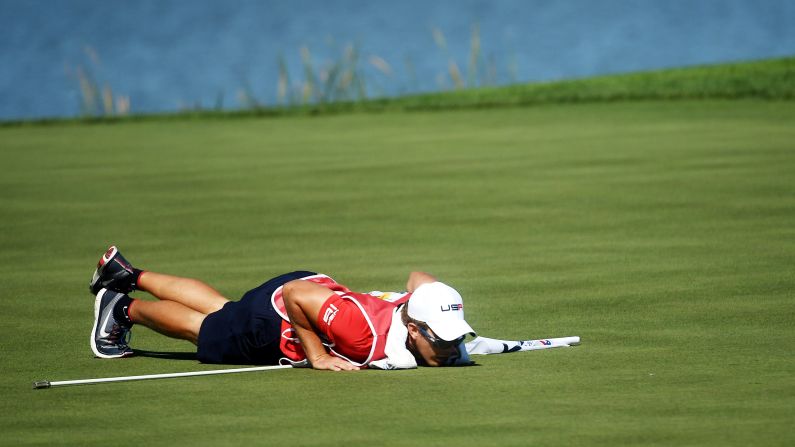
(166,55)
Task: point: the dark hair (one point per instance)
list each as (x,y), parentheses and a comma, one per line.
(406,319)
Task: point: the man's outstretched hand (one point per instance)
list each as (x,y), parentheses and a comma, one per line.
(332,363)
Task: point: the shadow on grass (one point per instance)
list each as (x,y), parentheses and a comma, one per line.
(166,355)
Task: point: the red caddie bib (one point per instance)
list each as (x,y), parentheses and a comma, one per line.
(358,336)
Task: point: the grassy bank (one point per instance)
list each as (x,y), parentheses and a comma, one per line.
(658,231)
(768,79)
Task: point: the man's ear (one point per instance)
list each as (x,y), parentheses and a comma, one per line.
(414,330)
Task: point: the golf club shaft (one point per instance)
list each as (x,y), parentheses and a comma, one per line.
(48,384)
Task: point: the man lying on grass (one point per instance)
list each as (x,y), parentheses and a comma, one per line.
(304,318)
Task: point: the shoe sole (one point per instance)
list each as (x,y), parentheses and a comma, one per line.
(103,261)
(92,339)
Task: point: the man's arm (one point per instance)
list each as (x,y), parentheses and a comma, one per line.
(303,300)
(417,279)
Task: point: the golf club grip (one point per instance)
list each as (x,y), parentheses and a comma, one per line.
(567,340)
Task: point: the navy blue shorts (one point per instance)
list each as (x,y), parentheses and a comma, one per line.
(245,332)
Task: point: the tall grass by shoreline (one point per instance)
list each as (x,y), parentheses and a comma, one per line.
(96,97)
(343,77)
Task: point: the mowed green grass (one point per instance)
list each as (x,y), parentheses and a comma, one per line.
(660,232)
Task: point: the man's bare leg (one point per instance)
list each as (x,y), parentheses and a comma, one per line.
(183,305)
(191,293)
(168,318)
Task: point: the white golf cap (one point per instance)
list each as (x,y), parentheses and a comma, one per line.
(441,308)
